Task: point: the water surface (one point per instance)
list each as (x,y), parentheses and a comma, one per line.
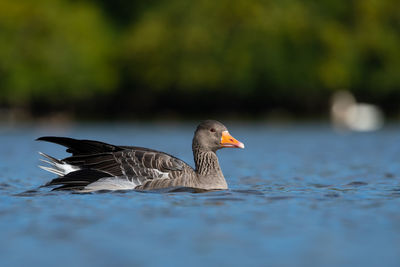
(300,195)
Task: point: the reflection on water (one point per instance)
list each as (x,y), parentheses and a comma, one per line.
(299,196)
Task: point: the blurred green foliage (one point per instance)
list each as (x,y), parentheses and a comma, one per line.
(284,45)
(287,50)
(53,50)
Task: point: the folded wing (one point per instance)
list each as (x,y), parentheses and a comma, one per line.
(96,165)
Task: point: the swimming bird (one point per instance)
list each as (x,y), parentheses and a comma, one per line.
(96,165)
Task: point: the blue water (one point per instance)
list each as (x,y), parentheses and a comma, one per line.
(300,195)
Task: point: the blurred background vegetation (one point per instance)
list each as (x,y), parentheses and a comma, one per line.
(133,59)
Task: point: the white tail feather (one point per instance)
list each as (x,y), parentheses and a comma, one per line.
(58,167)
(45,161)
(60,173)
(49,157)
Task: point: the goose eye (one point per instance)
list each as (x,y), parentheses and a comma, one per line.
(212,130)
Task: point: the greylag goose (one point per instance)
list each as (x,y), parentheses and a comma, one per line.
(100,166)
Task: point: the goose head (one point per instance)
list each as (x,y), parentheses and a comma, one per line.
(212,135)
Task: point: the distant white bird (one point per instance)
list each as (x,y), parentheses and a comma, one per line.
(348,115)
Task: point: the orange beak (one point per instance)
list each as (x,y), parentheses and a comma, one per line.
(228,141)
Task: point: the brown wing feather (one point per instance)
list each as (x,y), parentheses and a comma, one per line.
(139,165)
(136,165)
